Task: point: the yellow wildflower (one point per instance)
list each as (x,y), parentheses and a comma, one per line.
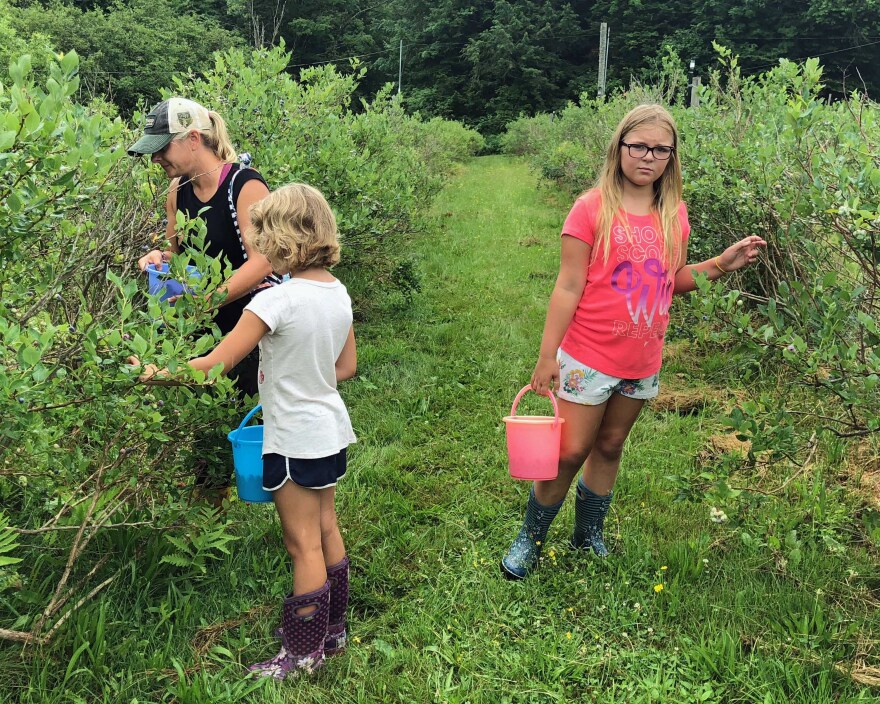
(664,568)
(658,588)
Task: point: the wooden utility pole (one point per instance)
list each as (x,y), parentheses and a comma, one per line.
(603,57)
(695,92)
(690,82)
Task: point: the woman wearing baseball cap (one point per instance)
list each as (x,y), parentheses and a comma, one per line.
(192,145)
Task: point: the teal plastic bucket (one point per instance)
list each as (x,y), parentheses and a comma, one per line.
(247,455)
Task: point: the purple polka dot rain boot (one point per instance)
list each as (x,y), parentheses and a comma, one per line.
(302,637)
(336,639)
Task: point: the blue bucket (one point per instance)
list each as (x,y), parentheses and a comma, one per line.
(247,455)
(163,285)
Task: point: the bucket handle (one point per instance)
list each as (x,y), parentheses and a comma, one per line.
(161,271)
(249,416)
(528,387)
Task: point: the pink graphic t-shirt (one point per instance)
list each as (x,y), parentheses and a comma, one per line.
(620,322)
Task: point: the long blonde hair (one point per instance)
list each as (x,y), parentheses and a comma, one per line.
(667,188)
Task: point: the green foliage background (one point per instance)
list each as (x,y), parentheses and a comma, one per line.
(483,63)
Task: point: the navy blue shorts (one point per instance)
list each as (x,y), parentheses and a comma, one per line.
(317,473)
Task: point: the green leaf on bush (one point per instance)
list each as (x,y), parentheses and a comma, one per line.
(30,355)
(8,543)
(139,344)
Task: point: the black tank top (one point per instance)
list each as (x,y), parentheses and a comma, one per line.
(222,240)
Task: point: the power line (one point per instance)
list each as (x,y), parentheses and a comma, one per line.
(770,39)
(814,56)
(341,58)
(419,45)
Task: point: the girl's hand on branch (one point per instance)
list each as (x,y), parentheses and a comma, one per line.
(546,376)
(743,253)
(150,373)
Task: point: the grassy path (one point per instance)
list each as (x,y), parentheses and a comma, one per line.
(428,509)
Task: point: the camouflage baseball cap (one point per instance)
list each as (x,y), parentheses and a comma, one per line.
(167,119)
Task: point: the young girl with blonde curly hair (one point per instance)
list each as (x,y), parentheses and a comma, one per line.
(304,331)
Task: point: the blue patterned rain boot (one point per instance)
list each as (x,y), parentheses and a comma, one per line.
(302,637)
(523,554)
(589,518)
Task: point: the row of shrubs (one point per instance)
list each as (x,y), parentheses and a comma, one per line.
(82,444)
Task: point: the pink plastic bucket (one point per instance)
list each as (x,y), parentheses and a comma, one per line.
(533,442)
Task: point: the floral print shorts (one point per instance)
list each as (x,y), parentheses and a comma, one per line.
(579,383)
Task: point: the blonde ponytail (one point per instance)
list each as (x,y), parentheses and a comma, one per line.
(217,140)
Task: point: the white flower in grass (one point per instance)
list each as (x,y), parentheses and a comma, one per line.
(716,515)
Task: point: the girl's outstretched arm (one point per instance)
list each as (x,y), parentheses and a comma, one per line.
(573,266)
(743,253)
(233,348)
(237,345)
(346,363)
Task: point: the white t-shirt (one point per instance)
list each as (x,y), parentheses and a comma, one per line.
(308,324)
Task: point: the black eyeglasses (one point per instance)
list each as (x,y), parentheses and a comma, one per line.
(637,151)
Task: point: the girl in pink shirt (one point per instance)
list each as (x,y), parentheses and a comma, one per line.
(624,248)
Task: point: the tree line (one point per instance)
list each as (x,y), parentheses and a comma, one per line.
(481,62)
